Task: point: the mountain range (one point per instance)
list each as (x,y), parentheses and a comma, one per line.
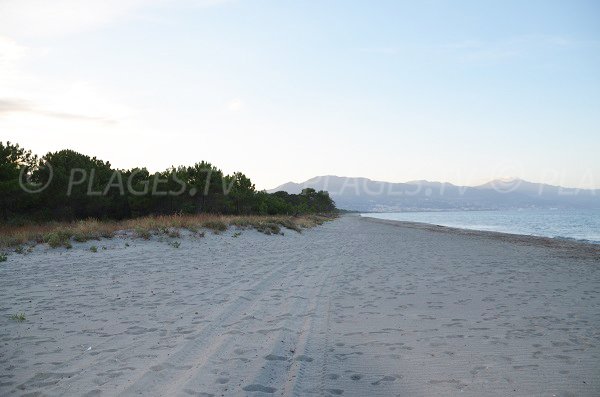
(363,194)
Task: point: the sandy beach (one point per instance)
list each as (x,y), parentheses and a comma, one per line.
(355,307)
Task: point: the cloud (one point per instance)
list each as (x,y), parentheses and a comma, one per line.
(511,48)
(9,106)
(10,51)
(235,105)
(13,105)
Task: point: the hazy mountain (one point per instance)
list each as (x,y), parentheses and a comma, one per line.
(363,194)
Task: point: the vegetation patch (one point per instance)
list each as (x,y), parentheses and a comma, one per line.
(59,238)
(20,317)
(268,228)
(143,233)
(216,226)
(60,234)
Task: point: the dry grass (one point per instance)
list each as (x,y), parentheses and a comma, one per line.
(61,234)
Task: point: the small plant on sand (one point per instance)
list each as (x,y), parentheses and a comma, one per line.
(3,257)
(288,224)
(268,228)
(19,249)
(192,228)
(93,248)
(175,244)
(174,233)
(237,234)
(59,238)
(20,317)
(216,226)
(143,233)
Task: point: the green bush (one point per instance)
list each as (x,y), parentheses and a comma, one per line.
(20,317)
(59,238)
(268,228)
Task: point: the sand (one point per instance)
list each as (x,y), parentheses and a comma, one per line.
(355,307)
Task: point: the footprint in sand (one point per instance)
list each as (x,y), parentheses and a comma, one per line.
(273,357)
(384,379)
(260,388)
(304,358)
(197,393)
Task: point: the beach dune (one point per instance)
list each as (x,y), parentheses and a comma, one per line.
(355,307)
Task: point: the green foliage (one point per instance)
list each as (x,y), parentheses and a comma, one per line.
(58,238)
(84,187)
(3,257)
(15,162)
(20,317)
(268,228)
(93,248)
(175,244)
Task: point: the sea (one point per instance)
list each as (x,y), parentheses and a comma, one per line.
(572,224)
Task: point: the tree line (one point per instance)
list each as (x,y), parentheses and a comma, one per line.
(67,185)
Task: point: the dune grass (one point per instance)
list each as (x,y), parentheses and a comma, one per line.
(62,234)
(19,317)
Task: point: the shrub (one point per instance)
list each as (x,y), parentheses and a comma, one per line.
(20,317)
(216,226)
(143,233)
(268,228)
(288,224)
(59,238)
(3,257)
(93,248)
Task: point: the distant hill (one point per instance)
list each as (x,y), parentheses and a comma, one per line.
(363,194)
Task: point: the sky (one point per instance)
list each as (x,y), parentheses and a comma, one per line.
(457,91)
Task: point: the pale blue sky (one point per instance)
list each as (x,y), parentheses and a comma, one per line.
(285,90)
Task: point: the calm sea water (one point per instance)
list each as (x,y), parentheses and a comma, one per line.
(571,224)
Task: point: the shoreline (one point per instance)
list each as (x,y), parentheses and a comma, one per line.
(496,225)
(584,247)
